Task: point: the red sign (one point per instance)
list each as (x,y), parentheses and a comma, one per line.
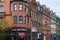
(21,35)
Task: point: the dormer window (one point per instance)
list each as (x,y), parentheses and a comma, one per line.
(38,8)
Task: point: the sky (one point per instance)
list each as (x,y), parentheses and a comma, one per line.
(52,4)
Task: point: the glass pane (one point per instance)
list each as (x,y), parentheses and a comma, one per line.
(26,9)
(1,8)
(20,19)
(24,20)
(15,19)
(15,7)
(20,7)
(10,7)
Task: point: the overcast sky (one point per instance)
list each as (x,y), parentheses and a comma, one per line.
(52,4)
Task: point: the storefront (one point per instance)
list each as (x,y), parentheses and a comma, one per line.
(53,36)
(34,33)
(39,36)
(18,34)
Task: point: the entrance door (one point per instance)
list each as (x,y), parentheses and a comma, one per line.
(21,39)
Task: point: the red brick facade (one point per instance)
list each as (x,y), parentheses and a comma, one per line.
(36,22)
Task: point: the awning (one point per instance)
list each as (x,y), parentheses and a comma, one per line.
(21,35)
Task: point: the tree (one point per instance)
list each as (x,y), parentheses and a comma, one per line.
(4,25)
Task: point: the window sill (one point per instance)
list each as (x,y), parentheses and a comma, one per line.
(2,13)
(1,1)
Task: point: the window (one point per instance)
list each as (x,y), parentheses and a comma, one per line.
(15,19)
(1,0)
(15,7)
(24,19)
(39,25)
(31,13)
(20,7)
(41,9)
(34,23)
(1,8)
(28,21)
(26,9)
(20,19)
(38,8)
(31,23)
(11,7)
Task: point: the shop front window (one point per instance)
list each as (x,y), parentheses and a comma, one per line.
(34,36)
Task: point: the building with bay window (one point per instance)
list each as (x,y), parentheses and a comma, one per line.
(53,26)
(26,19)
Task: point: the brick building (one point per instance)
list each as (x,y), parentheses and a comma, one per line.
(28,23)
(58,28)
(46,23)
(53,26)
